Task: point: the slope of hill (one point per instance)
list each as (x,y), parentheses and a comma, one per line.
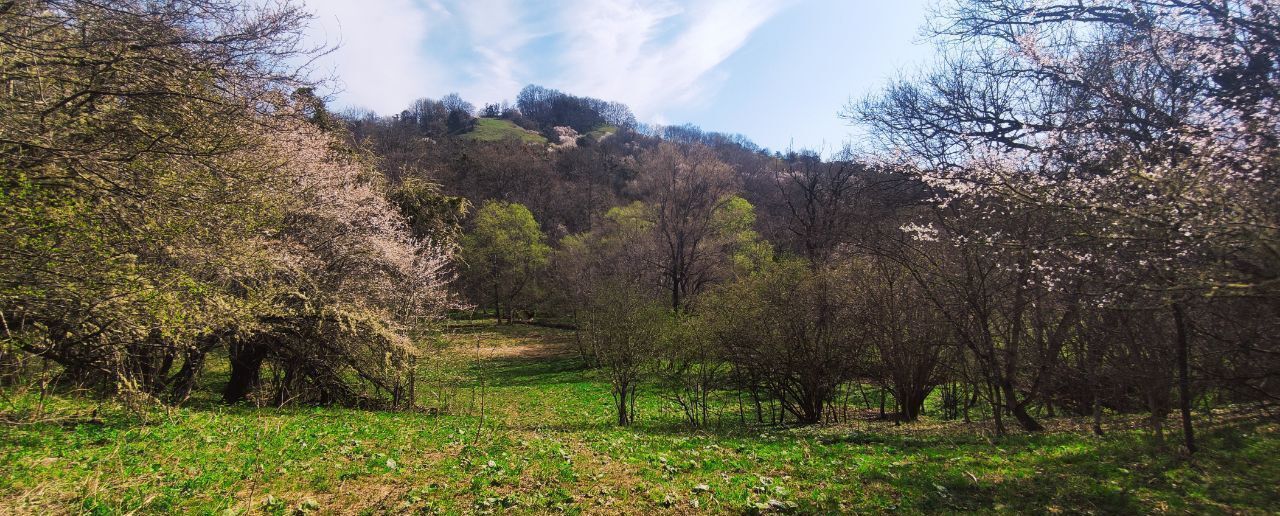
(494,129)
(602,132)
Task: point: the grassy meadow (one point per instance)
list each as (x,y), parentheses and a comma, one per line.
(493,129)
(523,427)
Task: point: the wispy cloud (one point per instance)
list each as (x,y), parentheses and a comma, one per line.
(652,55)
(497,32)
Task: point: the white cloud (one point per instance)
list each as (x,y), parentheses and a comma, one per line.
(497,32)
(652,55)
(380,62)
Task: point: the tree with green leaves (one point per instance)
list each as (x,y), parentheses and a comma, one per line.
(131,181)
(502,254)
(431,214)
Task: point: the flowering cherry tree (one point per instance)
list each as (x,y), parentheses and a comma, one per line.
(1144,132)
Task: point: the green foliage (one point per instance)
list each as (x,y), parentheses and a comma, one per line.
(602,132)
(728,245)
(431,214)
(736,220)
(800,331)
(503,252)
(504,236)
(163,198)
(118,233)
(630,218)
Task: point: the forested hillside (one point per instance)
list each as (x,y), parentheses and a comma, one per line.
(1060,244)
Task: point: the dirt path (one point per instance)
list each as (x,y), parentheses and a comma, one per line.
(531,350)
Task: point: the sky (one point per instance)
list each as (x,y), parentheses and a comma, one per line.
(777,71)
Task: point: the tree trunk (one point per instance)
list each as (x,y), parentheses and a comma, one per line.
(971,398)
(677,273)
(997,412)
(1184,378)
(192,364)
(1097,415)
(911,402)
(620,396)
(755,398)
(882,415)
(810,409)
(184,381)
(1019,410)
(246,367)
(497,305)
(675,287)
(1157,418)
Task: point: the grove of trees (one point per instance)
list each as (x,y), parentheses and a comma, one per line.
(172,188)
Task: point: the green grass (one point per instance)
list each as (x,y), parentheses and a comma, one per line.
(493,129)
(602,132)
(544,443)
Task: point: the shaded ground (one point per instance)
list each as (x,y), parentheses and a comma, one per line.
(527,429)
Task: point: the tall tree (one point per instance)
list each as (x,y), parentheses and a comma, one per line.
(684,187)
(172,186)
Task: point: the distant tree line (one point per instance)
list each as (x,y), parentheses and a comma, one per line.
(546,108)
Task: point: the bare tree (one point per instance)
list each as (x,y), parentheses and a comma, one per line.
(685,186)
(909,336)
(799,331)
(622,329)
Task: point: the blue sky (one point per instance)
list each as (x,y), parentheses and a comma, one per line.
(777,71)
